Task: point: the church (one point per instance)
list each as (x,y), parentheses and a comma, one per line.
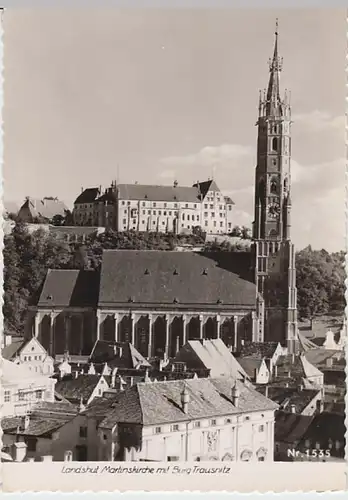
(157,300)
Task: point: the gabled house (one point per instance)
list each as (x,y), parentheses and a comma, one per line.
(81,389)
(207,357)
(31,354)
(257,369)
(34,210)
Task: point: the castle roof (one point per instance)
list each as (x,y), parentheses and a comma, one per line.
(88,195)
(158,193)
(46,208)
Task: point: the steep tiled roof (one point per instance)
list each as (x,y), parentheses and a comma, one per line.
(155,277)
(45,419)
(326,426)
(290,427)
(206,186)
(46,208)
(211,354)
(88,195)
(73,389)
(69,287)
(157,193)
(250,365)
(160,403)
(12,350)
(258,349)
(104,351)
(285,397)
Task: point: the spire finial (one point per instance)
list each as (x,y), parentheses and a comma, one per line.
(276,28)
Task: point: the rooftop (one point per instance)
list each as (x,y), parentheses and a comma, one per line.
(291,427)
(259,350)
(156,277)
(211,354)
(47,207)
(117,354)
(69,287)
(158,193)
(88,195)
(75,389)
(160,402)
(286,397)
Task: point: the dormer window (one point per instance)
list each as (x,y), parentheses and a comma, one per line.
(147,271)
(130,299)
(49,297)
(175,301)
(175,272)
(205,272)
(219,301)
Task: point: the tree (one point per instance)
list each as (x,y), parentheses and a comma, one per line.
(320,282)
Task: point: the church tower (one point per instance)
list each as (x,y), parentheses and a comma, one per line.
(274,255)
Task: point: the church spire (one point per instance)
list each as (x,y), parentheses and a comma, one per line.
(273,100)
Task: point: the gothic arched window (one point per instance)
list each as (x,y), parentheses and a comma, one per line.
(274,186)
(275,143)
(285,184)
(272,234)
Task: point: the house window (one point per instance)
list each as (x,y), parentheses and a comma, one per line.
(188,216)
(105,437)
(31,444)
(197,217)
(175,205)
(205,222)
(158,430)
(183,216)
(205,205)
(39,394)
(221,223)
(261,459)
(143,203)
(149,212)
(261,428)
(83,432)
(123,202)
(159,212)
(175,427)
(165,204)
(21,396)
(128,203)
(246,419)
(25,358)
(275,144)
(7,396)
(229,224)
(186,205)
(205,214)
(211,206)
(228,421)
(214,223)
(124,221)
(164,213)
(196,425)
(213,422)
(170,212)
(213,214)
(153,204)
(154,212)
(144,212)
(125,211)
(230,207)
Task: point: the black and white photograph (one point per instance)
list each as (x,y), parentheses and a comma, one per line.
(174,238)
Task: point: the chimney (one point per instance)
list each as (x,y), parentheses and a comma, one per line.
(293,408)
(26,422)
(91,369)
(175,183)
(8,340)
(235,394)
(113,378)
(185,399)
(19,451)
(81,405)
(329,362)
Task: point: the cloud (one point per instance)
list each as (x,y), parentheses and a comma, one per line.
(211,156)
(318,121)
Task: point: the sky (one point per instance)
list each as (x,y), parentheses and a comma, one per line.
(155,96)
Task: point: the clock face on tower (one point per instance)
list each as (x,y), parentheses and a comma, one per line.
(273,210)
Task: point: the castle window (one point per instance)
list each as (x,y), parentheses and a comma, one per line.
(275,144)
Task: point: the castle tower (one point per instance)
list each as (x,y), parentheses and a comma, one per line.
(274,255)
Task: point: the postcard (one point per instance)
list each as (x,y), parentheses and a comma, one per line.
(174,250)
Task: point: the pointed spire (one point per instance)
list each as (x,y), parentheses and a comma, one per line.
(273,105)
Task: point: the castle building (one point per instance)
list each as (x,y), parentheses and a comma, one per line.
(175,209)
(274,255)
